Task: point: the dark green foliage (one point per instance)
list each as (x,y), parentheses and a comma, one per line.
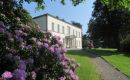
(85,40)
(116,4)
(125,44)
(109,27)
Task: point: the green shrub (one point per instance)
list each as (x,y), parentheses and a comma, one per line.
(28,53)
(125,44)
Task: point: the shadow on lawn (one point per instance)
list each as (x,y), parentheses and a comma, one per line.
(80,53)
(96,53)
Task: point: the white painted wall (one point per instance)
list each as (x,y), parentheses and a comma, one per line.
(41,21)
(66,25)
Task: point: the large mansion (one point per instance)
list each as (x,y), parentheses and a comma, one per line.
(70,34)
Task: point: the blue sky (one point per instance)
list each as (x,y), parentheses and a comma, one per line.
(81,13)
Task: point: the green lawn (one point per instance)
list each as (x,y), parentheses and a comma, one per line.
(87,70)
(117,59)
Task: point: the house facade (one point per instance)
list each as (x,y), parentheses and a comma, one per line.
(71,35)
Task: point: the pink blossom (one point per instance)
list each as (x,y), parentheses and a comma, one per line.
(45,40)
(57,38)
(64,63)
(25,34)
(7,75)
(63,50)
(22,45)
(34,39)
(46,45)
(2,30)
(72,60)
(17,32)
(77,77)
(62,78)
(39,43)
(71,72)
(78,65)
(33,75)
(66,70)
(52,49)
(74,77)
(73,65)
(48,41)
(60,43)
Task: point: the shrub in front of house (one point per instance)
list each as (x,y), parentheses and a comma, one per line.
(27,53)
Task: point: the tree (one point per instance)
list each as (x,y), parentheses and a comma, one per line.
(108,25)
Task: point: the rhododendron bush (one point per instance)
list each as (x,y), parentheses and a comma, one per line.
(27,53)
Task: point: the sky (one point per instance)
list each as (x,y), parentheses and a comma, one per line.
(80,13)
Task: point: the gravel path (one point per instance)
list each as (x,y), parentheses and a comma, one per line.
(107,71)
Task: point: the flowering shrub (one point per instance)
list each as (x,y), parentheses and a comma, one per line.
(27,53)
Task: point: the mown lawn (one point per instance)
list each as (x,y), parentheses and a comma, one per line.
(117,59)
(87,70)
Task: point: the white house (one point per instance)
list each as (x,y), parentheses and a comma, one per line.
(70,34)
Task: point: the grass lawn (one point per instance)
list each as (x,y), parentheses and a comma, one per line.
(87,70)
(117,59)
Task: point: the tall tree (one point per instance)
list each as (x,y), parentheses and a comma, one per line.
(106,25)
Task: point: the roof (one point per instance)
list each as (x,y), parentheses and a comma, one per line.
(56,17)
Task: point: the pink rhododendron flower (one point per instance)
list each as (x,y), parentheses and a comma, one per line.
(25,34)
(22,45)
(62,78)
(57,38)
(2,30)
(60,43)
(33,75)
(64,50)
(73,65)
(66,70)
(17,32)
(39,43)
(34,39)
(45,40)
(72,60)
(46,45)
(64,63)
(52,49)
(7,75)
(71,72)
(78,65)
(29,47)
(48,41)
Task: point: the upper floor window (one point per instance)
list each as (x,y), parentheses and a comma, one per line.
(79,34)
(76,33)
(58,28)
(63,29)
(68,30)
(52,26)
(73,31)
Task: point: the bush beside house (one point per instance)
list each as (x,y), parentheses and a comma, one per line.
(26,52)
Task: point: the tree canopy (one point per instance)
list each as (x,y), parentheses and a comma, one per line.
(112,4)
(109,26)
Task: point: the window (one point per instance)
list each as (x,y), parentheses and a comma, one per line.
(63,29)
(68,30)
(58,28)
(52,26)
(76,33)
(79,34)
(73,31)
